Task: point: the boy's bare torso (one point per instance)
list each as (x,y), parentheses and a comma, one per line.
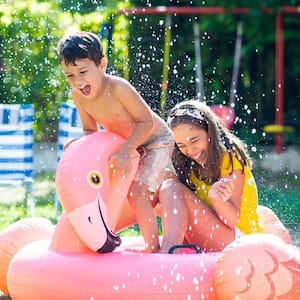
(107,111)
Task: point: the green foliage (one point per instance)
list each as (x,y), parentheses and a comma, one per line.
(31,74)
(29,32)
(255,101)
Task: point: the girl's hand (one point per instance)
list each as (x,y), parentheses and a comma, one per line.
(221,190)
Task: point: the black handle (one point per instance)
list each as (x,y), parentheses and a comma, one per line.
(191,246)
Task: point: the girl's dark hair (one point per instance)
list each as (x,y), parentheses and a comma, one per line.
(221,140)
(80,45)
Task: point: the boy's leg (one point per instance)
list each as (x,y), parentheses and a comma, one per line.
(126,218)
(141,196)
(142,202)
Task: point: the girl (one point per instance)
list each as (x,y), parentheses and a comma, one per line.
(213,198)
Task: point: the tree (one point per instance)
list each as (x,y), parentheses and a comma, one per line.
(31,73)
(255,101)
(29,33)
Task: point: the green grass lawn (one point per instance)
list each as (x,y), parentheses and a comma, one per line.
(281,192)
(12,206)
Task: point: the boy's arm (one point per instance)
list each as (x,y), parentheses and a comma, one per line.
(140,112)
(89,125)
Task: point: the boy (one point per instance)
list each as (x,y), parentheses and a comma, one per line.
(114,103)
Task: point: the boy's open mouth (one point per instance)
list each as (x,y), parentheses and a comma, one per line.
(86,90)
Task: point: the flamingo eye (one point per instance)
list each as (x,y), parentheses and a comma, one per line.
(95,179)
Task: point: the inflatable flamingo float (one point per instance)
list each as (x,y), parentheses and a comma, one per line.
(81,257)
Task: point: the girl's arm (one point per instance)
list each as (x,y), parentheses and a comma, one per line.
(225,196)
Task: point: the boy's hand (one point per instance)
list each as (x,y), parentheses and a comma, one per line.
(120,162)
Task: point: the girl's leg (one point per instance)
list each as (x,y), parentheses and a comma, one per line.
(185,215)
(205,228)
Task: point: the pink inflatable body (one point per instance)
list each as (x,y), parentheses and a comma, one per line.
(83,259)
(41,273)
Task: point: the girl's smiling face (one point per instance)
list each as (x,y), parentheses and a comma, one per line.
(192,141)
(85,77)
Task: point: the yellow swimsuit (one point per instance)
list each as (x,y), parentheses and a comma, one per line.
(249,220)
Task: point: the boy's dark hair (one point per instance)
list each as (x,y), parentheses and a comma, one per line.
(80,45)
